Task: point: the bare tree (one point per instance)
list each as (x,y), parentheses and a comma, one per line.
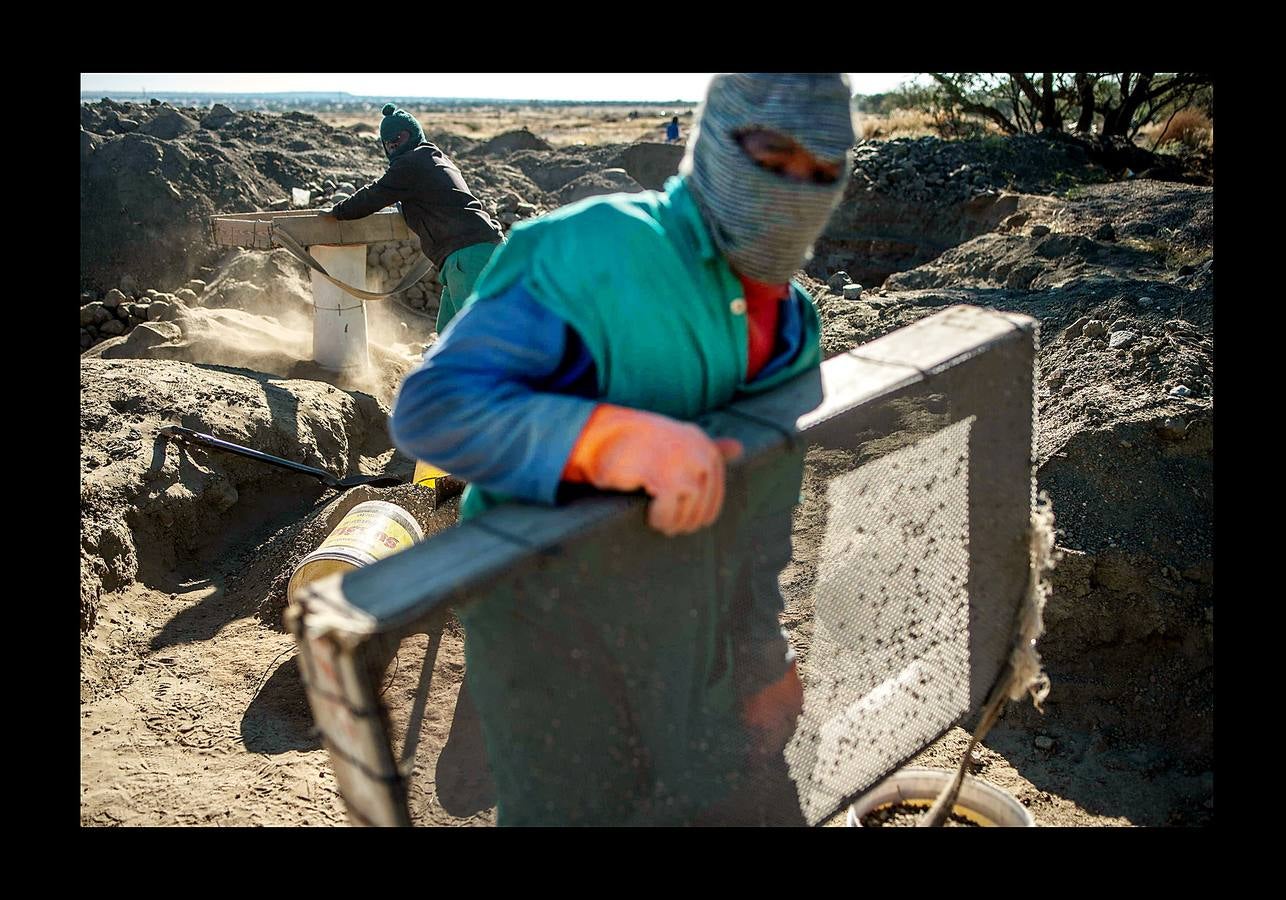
(971,92)
(1085,98)
(1024,103)
(1143,95)
(1043,103)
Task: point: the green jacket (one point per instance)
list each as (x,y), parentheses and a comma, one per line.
(639,279)
(615,700)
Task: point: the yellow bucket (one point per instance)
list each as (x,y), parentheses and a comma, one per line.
(371,531)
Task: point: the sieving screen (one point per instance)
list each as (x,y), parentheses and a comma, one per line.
(856,598)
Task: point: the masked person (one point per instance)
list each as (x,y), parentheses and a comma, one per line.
(455,231)
(595,337)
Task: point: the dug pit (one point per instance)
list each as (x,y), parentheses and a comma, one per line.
(192,711)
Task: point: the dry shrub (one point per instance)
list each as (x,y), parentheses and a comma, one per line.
(900,123)
(916,123)
(1190,127)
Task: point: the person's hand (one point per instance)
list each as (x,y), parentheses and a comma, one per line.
(772,713)
(675,462)
(328,213)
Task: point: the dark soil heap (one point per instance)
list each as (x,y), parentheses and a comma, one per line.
(912,199)
(151,176)
(1121,277)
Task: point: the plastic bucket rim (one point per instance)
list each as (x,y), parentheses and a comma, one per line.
(890,790)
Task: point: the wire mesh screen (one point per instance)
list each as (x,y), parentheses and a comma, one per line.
(855,599)
(888,665)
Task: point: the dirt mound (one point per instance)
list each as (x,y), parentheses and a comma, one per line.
(1124,445)
(593,184)
(931,170)
(151,175)
(1025,261)
(452,144)
(1139,234)
(269,565)
(148,503)
(522,139)
(909,200)
(143,203)
(1173,218)
(499,185)
(552,170)
(651,164)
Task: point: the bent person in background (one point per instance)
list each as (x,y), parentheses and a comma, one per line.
(455,231)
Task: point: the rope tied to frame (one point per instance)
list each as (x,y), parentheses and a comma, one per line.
(1022,673)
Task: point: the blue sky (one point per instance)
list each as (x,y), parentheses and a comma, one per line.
(502,86)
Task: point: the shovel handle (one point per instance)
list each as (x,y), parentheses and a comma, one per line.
(208,440)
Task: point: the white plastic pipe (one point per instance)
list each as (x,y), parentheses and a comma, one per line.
(339,318)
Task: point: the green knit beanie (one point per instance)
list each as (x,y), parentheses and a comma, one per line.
(399,120)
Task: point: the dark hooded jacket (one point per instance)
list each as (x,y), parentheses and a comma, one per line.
(435,203)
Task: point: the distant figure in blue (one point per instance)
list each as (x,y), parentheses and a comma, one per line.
(672,131)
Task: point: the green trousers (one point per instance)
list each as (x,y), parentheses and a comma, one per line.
(459,271)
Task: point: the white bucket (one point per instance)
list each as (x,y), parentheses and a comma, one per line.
(339,318)
(979,802)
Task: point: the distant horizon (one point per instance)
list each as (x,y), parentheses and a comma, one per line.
(374,98)
(611,87)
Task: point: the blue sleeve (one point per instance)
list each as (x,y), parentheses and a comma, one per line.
(482,404)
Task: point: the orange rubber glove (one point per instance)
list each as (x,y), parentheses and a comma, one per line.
(773,711)
(676,463)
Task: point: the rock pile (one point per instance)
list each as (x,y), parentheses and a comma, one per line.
(931,170)
(388,262)
(119,313)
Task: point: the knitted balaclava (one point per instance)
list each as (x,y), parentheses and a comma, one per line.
(396,121)
(765,223)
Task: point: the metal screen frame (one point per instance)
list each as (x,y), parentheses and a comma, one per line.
(342,624)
